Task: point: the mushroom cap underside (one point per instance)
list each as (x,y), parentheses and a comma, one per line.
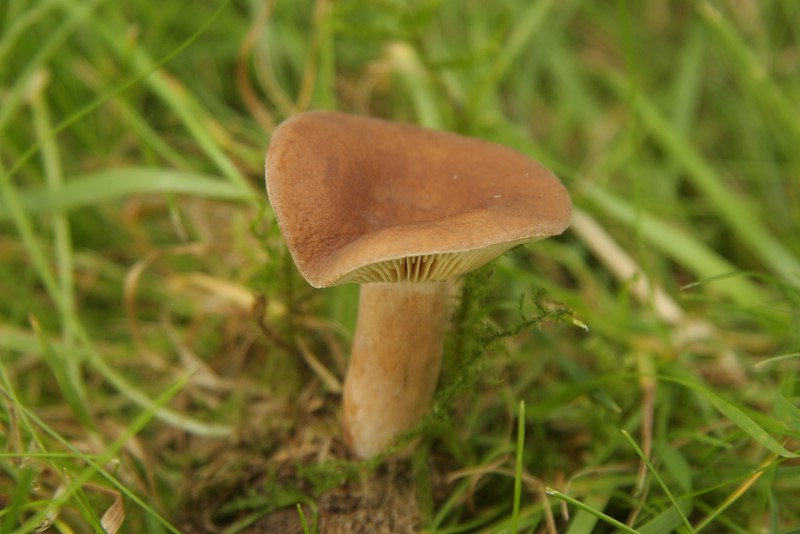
(360,199)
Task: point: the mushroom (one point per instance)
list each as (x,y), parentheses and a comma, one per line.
(399,209)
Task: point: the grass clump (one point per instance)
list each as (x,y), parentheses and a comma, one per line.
(163,368)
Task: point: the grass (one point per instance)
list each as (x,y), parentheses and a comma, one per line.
(163,368)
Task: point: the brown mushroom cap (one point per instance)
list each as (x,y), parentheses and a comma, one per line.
(360,199)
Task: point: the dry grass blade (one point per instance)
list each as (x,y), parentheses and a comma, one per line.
(114,516)
(331,381)
(736,494)
(624,268)
(534,484)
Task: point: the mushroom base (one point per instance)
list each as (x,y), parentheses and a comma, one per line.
(394,366)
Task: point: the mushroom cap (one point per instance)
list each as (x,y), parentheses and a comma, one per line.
(360,199)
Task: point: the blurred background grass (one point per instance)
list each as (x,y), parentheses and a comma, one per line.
(165,369)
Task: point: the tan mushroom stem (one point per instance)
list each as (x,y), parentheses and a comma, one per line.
(395,362)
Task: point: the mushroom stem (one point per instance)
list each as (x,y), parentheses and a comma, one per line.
(397,353)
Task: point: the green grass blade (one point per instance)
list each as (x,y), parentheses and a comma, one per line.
(62,241)
(12,101)
(676,243)
(743,488)
(785,410)
(752,70)
(174,95)
(736,416)
(419,85)
(83,505)
(584,522)
(660,481)
(21,25)
(739,214)
(303,520)
(518,467)
(674,462)
(779,358)
(102,186)
(40,264)
(748,425)
(95,465)
(528,25)
(152,67)
(588,509)
(13,507)
(668,521)
(62,371)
